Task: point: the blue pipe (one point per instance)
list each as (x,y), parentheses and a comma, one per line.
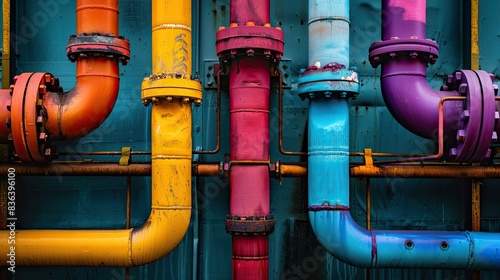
(329,191)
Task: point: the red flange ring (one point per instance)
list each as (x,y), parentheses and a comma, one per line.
(250,38)
(17,117)
(31,141)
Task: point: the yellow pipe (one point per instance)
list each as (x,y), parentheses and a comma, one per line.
(171,173)
(6,44)
(474,19)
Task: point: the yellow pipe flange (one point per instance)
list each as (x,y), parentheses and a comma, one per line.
(170,87)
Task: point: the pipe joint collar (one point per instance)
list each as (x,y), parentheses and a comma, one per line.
(249,40)
(32,142)
(250,225)
(476,121)
(333,80)
(166,86)
(425,50)
(82,45)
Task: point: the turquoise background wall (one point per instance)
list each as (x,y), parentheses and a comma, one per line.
(205,253)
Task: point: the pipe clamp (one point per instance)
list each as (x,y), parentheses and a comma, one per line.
(250,225)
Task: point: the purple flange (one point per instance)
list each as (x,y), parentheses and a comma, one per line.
(404,56)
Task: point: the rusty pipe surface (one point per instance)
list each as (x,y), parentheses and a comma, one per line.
(425,170)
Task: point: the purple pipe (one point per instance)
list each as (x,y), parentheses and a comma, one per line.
(404,19)
(412,102)
(407,95)
(404,54)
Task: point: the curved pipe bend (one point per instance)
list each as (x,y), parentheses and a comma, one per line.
(348,242)
(344,239)
(74,114)
(171,146)
(412,102)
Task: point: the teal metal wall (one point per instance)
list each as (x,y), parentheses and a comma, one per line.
(205,253)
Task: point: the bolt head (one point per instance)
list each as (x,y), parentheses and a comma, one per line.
(453,152)
(465,115)
(42,137)
(461,135)
(495,89)
(462,89)
(488,154)
(458,76)
(449,80)
(494,137)
(47,78)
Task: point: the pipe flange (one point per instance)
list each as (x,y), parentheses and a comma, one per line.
(333,80)
(426,50)
(249,40)
(250,225)
(98,45)
(32,143)
(475,126)
(170,86)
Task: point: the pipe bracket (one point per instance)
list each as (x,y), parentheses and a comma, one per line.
(333,80)
(98,45)
(32,142)
(249,40)
(250,225)
(168,86)
(426,50)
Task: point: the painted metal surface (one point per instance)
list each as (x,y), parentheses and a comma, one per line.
(404,55)
(397,203)
(249,47)
(171,196)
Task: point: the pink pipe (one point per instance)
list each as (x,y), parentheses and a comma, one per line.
(249,85)
(243,11)
(404,19)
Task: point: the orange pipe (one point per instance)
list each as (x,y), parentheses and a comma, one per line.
(76,113)
(97,16)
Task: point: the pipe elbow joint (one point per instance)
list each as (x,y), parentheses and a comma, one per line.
(159,235)
(342,237)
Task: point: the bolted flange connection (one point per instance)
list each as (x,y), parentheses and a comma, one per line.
(250,225)
(32,142)
(170,86)
(425,50)
(249,40)
(109,46)
(333,80)
(475,125)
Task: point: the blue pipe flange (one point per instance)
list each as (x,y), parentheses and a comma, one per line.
(333,80)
